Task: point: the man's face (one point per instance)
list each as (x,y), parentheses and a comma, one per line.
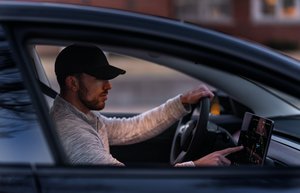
(93,92)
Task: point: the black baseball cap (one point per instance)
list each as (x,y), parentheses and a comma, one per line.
(87,59)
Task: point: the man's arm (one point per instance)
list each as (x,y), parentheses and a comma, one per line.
(217,158)
(122,131)
(155,121)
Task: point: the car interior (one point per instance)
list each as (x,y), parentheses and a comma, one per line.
(226,110)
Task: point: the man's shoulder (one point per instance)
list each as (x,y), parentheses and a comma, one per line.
(61,111)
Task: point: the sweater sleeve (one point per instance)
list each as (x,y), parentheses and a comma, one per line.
(146,125)
(185,164)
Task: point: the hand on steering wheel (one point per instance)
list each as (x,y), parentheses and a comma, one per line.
(190,134)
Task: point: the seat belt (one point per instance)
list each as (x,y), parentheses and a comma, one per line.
(47,90)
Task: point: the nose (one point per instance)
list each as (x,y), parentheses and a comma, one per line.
(107,85)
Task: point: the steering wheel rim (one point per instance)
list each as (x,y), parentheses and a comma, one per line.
(190,134)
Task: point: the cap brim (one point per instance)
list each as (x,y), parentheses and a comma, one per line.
(106,72)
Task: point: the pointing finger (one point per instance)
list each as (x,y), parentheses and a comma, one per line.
(225,161)
(230,150)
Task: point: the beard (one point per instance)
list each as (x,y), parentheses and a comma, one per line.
(92,104)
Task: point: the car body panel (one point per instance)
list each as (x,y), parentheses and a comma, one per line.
(27,24)
(168,180)
(18,178)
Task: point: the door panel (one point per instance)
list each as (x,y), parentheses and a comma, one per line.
(104,179)
(17,179)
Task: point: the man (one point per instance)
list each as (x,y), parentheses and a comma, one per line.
(83,74)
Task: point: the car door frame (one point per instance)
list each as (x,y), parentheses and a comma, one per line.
(59,25)
(214,178)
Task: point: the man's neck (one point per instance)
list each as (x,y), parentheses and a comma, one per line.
(73,100)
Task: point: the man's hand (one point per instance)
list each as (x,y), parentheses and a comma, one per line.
(194,95)
(217,158)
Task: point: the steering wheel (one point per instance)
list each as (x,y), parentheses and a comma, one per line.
(191,134)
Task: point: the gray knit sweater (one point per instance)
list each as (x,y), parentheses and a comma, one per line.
(86,137)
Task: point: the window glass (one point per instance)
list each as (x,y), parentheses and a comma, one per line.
(218,9)
(187,9)
(269,7)
(21,139)
(205,10)
(276,10)
(144,86)
(289,8)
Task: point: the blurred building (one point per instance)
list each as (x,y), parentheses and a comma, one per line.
(154,7)
(275,23)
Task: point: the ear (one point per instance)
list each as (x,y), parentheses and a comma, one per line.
(72,83)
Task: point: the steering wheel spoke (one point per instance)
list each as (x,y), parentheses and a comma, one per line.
(180,156)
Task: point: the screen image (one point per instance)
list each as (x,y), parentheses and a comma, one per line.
(255,137)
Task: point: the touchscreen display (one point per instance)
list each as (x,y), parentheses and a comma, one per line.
(255,136)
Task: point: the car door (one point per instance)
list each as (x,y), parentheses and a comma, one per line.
(22,142)
(74,24)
